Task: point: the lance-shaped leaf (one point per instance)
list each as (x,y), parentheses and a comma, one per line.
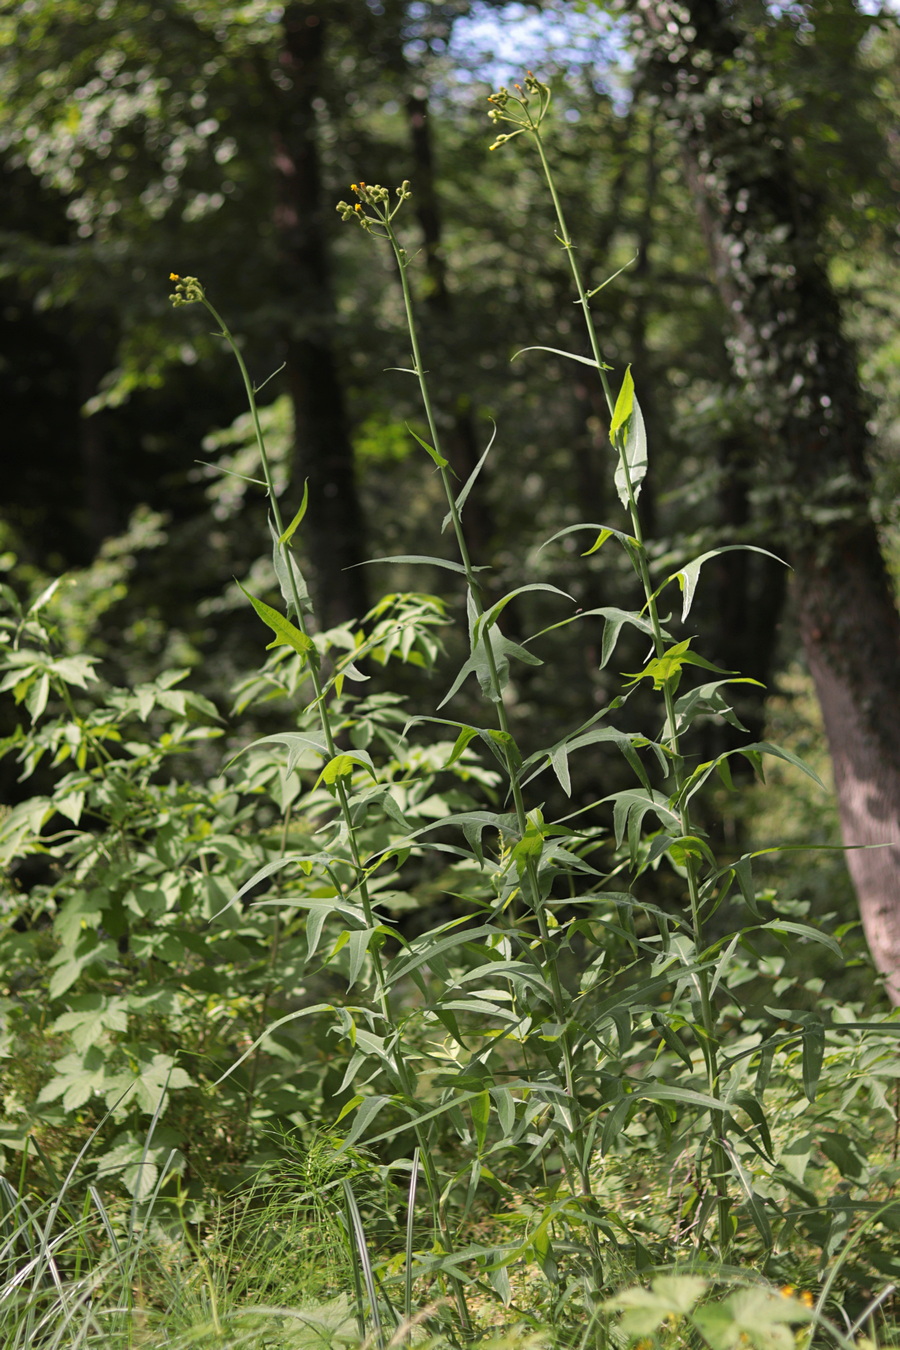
(342,766)
(289,532)
(490,617)
(572,356)
(438,458)
(420,558)
(296,743)
(688,576)
(286,635)
(629,435)
(286,568)
(490,656)
(469,483)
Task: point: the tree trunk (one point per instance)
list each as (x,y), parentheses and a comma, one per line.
(323,454)
(462,443)
(764,234)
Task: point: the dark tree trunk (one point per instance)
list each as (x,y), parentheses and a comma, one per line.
(324,454)
(748,593)
(462,443)
(788,346)
(94,355)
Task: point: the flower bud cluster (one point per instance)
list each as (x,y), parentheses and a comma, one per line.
(378,198)
(514,107)
(188,290)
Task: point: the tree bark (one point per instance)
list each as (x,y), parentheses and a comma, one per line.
(462,442)
(763,228)
(323,452)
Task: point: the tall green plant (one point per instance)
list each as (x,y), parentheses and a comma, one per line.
(553,980)
(696,967)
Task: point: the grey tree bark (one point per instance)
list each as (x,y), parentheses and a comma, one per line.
(788,345)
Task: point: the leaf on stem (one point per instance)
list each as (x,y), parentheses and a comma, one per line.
(628,418)
(572,356)
(286,635)
(688,576)
(291,581)
(469,483)
(289,532)
(438,458)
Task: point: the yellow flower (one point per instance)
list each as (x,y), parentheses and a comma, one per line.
(173,276)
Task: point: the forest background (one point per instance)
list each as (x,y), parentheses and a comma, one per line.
(738,163)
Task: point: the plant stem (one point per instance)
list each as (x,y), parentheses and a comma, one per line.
(707,1014)
(533,886)
(401,1069)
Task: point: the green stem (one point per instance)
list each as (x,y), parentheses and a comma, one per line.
(707,1014)
(559,1000)
(401,1069)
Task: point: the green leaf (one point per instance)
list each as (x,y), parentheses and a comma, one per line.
(289,576)
(420,558)
(490,617)
(462,740)
(342,766)
(480,1106)
(642,1310)
(806,931)
(286,635)
(755,1204)
(470,482)
(425,949)
(92,1016)
(624,405)
(297,746)
(624,268)
(572,356)
(813,1056)
(506,1109)
(778,752)
(438,459)
(844,1153)
(756,1317)
(358,947)
(667,668)
(366,1112)
(37,695)
(151,1076)
(688,576)
(633,456)
(289,532)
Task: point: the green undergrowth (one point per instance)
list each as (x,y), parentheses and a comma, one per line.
(342,1030)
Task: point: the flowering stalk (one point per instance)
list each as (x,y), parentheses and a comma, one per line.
(525,111)
(188,290)
(375,212)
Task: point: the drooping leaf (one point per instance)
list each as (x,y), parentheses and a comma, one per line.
(289,532)
(420,558)
(289,576)
(438,458)
(632,456)
(572,356)
(480,1106)
(624,404)
(297,746)
(490,616)
(688,576)
(469,483)
(286,635)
